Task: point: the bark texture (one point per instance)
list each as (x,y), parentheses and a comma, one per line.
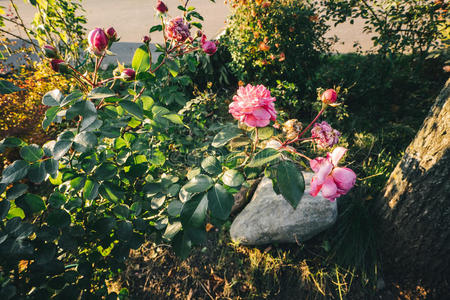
(414,209)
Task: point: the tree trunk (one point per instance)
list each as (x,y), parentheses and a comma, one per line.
(414,209)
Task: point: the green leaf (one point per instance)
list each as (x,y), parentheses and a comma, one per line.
(224,136)
(194,211)
(58,218)
(16,191)
(173,66)
(198,184)
(124,230)
(31,153)
(233,178)
(105,171)
(37,173)
(156,28)
(182,244)
(56,200)
(16,212)
(157,201)
(132,108)
(50,116)
(76,95)
(265,133)
(211,165)
(111,191)
(4,209)
(15,171)
(290,182)
(33,203)
(90,190)
(171,230)
(63,144)
(141,60)
(52,98)
(84,141)
(174,118)
(220,202)
(51,167)
(7,87)
(174,208)
(86,109)
(101,93)
(264,157)
(11,142)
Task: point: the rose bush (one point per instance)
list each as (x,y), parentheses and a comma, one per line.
(127,168)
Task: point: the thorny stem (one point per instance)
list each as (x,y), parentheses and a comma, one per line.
(81,75)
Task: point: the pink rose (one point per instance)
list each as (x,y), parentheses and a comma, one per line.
(161,7)
(98,41)
(329,96)
(178,30)
(254,106)
(209,47)
(332,180)
(324,135)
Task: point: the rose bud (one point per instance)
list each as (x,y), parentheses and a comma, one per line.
(59,65)
(128,74)
(111,34)
(161,7)
(146,39)
(98,41)
(329,96)
(50,51)
(209,47)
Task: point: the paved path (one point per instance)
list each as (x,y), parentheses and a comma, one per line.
(133,18)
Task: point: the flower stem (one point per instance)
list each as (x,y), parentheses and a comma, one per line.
(306,129)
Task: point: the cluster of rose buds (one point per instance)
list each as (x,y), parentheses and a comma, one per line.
(100,40)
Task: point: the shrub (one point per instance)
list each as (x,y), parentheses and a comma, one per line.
(276,40)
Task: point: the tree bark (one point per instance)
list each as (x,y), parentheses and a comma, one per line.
(414,209)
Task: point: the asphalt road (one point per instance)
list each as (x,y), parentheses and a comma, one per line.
(133,18)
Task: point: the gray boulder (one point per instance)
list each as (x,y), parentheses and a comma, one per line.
(269,218)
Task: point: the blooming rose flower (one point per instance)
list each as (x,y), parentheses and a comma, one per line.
(98,41)
(161,7)
(177,30)
(209,47)
(324,135)
(329,96)
(253,105)
(332,180)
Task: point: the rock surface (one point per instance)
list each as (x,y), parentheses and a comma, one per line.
(269,218)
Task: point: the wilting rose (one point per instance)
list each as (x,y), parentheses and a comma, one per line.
(324,135)
(50,51)
(177,29)
(98,41)
(209,47)
(254,106)
(128,74)
(329,96)
(161,7)
(332,180)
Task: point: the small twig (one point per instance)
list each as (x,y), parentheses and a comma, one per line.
(204,288)
(23,25)
(20,38)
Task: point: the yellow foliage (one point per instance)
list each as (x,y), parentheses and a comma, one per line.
(21,113)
